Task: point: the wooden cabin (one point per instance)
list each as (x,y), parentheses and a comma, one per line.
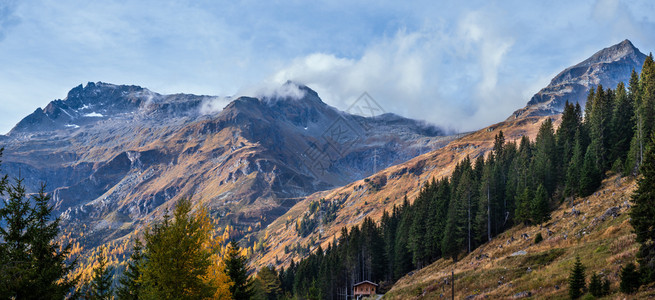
(364,288)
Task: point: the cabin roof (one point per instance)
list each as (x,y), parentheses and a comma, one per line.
(365,281)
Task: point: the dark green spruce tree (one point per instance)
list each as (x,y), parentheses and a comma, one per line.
(32,264)
(100,285)
(596,285)
(577,279)
(235,268)
(630,279)
(643,215)
(590,175)
(129,285)
(622,126)
(540,210)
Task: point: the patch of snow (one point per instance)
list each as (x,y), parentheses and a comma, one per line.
(72,125)
(93,114)
(84,107)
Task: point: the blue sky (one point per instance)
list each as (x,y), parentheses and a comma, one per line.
(458,64)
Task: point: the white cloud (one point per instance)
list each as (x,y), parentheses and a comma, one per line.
(460,64)
(449,78)
(214,105)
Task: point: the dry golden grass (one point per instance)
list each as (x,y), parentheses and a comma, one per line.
(603,246)
(403,179)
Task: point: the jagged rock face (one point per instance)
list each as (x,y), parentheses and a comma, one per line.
(607,67)
(113,152)
(97,102)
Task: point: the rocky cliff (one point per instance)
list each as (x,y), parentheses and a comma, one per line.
(606,67)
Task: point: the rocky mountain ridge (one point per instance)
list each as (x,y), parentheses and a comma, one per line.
(606,67)
(369,197)
(116,156)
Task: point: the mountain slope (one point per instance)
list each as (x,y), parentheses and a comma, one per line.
(606,67)
(371,196)
(117,156)
(596,228)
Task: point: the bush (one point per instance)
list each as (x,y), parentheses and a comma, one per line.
(596,285)
(606,286)
(588,297)
(538,238)
(630,279)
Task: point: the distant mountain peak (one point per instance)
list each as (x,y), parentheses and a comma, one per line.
(606,67)
(622,50)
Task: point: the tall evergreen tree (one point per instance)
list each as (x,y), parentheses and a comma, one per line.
(644,98)
(598,123)
(540,210)
(523,212)
(630,280)
(32,264)
(577,279)
(544,166)
(622,125)
(572,183)
(596,285)
(100,285)
(643,215)
(270,282)
(635,153)
(176,261)
(129,285)
(456,230)
(16,272)
(48,257)
(566,136)
(235,267)
(647,99)
(590,176)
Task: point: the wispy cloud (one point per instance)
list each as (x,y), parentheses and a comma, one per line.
(8,17)
(456,64)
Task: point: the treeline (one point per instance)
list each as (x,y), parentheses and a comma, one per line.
(32,264)
(514,183)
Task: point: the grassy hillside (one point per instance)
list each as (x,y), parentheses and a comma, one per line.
(369,198)
(513,266)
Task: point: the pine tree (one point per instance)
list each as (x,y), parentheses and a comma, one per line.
(544,166)
(566,135)
(577,279)
(523,213)
(622,124)
(643,215)
(235,267)
(606,287)
(100,284)
(596,285)
(635,153)
(177,260)
(630,279)
(590,177)
(598,123)
(16,270)
(32,263)
(270,282)
(129,285)
(647,99)
(48,257)
(456,231)
(540,210)
(572,185)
